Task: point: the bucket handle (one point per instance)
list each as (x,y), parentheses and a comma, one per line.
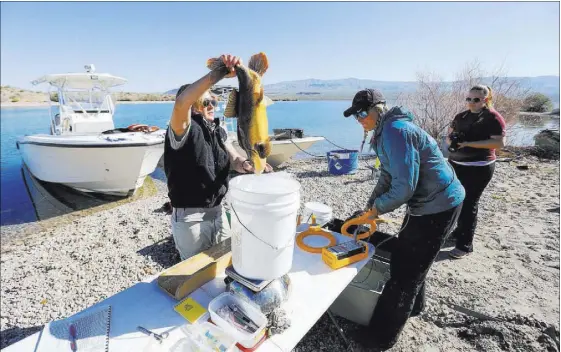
(260,239)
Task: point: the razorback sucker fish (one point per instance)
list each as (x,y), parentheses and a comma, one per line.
(249,104)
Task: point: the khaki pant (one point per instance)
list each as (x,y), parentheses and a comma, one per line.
(197,229)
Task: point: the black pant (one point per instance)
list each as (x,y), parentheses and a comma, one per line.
(474,179)
(412,255)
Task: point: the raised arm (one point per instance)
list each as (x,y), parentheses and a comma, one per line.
(181,114)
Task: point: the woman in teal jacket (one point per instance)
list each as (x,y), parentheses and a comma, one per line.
(415,173)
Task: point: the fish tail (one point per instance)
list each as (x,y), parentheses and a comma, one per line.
(216,64)
(259,63)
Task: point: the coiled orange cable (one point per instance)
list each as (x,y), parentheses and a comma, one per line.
(314,230)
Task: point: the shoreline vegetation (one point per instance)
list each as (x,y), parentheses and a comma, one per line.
(13,97)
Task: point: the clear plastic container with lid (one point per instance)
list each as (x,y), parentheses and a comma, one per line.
(244,338)
(204,337)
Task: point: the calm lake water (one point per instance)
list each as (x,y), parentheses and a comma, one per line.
(23,199)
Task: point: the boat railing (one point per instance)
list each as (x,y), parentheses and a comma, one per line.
(74,106)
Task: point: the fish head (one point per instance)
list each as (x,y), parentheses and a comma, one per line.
(258,155)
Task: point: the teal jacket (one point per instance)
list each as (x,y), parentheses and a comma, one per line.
(413,169)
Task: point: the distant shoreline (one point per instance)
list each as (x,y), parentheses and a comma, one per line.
(45,104)
(37,104)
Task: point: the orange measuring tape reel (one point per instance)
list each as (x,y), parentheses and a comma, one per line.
(314,230)
(364,219)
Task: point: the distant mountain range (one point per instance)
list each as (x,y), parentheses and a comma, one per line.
(317,89)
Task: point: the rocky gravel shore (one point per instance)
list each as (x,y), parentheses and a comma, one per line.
(505,296)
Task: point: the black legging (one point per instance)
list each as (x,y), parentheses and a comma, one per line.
(474,179)
(412,255)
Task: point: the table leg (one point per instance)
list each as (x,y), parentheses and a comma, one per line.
(340,331)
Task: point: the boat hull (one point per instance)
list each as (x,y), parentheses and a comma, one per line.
(54,199)
(109,168)
(283,150)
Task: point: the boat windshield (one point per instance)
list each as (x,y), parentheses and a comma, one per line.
(89,101)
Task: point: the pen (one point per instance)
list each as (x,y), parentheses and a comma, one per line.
(151,333)
(73,337)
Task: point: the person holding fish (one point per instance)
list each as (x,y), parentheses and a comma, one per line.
(198,157)
(413,173)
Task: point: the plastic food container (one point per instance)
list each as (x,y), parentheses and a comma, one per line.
(204,337)
(244,338)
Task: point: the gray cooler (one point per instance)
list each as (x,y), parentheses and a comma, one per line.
(356,303)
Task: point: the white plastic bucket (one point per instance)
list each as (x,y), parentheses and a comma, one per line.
(322,212)
(264,208)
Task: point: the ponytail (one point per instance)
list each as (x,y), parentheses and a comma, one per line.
(381,108)
(489,97)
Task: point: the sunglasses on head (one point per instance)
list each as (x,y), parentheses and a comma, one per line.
(208,102)
(475,100)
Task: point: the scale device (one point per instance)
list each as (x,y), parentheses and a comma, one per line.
(344,254)
(254,285)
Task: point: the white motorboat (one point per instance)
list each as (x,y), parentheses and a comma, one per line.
(285,143)
(84,150)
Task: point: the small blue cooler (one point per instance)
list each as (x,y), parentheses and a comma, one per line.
(342,162)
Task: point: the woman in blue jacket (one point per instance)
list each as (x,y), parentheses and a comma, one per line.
(415,173)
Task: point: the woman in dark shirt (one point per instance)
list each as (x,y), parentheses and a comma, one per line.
(473,136)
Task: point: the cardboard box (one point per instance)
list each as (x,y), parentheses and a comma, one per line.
(185,277)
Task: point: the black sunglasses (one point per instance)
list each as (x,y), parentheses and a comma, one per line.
(475,100)
(212,102)
(360,115)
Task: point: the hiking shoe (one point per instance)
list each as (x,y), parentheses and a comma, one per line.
(458,253)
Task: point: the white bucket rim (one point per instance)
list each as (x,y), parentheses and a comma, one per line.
(318,208)
(278,207)
(294,189)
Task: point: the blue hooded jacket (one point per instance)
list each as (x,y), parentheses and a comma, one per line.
(413,169)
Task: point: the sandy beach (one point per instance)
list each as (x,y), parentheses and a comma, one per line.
(503,297)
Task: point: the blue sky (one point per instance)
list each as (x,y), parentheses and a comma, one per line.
(159,46)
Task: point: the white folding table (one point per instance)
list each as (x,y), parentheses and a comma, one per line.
(315,287)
